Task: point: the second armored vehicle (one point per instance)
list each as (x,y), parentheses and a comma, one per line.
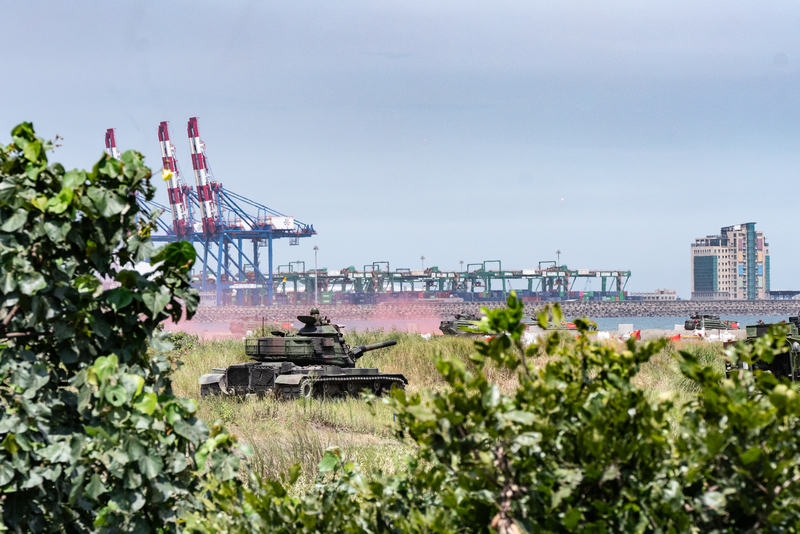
(462,320)
(709,322)
(314,362)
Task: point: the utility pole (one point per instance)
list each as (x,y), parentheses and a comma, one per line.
(316,274)
(422,258)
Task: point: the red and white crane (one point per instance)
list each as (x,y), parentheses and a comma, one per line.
(208,206)
(178,200)
(111,144)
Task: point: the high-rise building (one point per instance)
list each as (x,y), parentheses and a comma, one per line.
(733,265)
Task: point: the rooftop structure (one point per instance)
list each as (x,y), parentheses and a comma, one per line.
(658,294)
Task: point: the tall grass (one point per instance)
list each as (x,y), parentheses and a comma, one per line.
(284,433)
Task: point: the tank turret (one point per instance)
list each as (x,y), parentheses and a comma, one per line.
(315,361)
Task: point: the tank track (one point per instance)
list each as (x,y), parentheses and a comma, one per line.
(296,392)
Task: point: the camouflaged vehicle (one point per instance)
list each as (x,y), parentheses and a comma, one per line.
(462,320)
(708,322)
(785,364)
(315,362)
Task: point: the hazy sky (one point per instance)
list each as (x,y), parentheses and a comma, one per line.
(449,129)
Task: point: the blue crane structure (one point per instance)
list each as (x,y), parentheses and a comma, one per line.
(227,222)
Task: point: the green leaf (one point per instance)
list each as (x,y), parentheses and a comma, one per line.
(6,473)
(103,367)
(31,283)
(16,221)
(226,466)
(22,131)
(10,443)
(526,418)
(421,413)
(39,202)
(111,166)
(491,397)
(56,452)
(179,463)
(133,384)
(751,455)
(714,499)
(95,487)
(294,473)
(119,298)
(73,179)
(571,518)
(60,202)
(32,479)
(201,456)
(179,255)
(329,462)
(156,300)
(182,428)
(150,465)
(115,204)
(32,150)
(116,395)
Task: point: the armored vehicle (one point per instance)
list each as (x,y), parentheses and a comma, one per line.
(314,362)
(785,364)
(453,328)
(709,322)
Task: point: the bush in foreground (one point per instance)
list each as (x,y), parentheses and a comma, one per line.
(91,436)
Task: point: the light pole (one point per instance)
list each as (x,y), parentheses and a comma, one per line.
(461,265)
(422,259)
(316,273)
(558,256)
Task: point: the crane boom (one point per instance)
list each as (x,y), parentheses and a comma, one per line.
(208,208)
(111,144)
(178,201)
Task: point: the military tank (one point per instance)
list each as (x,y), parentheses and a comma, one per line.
(315,362)
(709,322)
(785,364)
(454,327)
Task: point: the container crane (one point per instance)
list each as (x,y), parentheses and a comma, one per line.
(227,222)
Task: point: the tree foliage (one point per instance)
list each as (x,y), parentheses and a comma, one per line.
(91,436)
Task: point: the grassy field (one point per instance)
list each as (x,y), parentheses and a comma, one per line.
(285,433)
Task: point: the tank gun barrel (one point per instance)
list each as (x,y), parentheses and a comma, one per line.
(359,351)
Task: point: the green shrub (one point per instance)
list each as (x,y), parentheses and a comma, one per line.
(183,341)
(91,436)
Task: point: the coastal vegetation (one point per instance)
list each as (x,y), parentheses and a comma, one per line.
(102,430)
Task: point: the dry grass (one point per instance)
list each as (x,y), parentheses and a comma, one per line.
(285,433)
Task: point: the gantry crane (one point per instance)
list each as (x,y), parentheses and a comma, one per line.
(223,223)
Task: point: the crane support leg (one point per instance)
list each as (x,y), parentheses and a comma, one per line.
(219,269)
(269,260)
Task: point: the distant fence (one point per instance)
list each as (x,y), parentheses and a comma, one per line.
(422,310)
